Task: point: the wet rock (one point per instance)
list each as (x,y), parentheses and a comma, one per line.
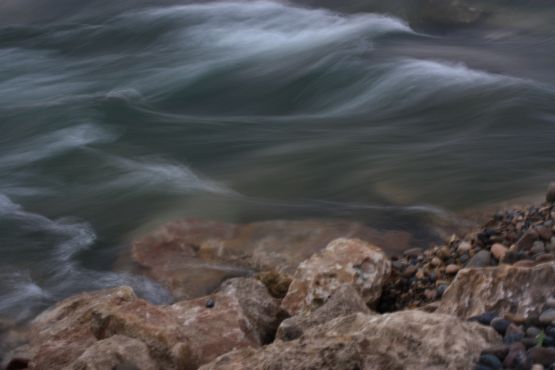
(548,316)
(179,336)
(480,259)
(504,289)
(193,257)
(500,325)
(407,339)
(490,361)
(541,355)
(343,261)
(344,301)
(116,352)
(485,318)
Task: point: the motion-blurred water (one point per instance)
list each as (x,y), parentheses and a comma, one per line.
(241,111)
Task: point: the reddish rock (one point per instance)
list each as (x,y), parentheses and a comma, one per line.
(116,352)
(343,261)
(402,340)
(180,336)
(193,257)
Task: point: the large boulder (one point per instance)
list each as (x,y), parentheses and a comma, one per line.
(505,289)
(344,301)
(193,257)
(343,261)
(116,352)
(401,340)
(179,336)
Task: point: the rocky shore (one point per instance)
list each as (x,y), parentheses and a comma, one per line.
(314,295)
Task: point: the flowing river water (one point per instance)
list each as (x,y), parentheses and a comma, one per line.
(116,118)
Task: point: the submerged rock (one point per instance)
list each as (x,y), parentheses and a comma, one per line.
(344,261)
(504,290)
(179,336)
(401,340)
(193,257)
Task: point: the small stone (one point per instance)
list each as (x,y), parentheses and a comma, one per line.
(533,331)
(485,318)
(210,303)
(527,240)
(480,259)
(452,269)
(490,361)
(550,330)
(500,351)
(464,258)
(410,271)
(537,367)
(420,274)
(516,318)
(541,355)
(464,247)
(545,232)
(512,338)
(397,265)
(499,251)
(517,357)
(550,194)
(548,316)
(413,252)
(500,325)
(441,289)
(436,262)
(549,341)
(430,294)
(538,247)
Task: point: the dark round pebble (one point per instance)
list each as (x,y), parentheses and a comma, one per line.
(513,338)
(484,319)
(500,325)
(441,289)
(549,341)
(550,330)
(491,361)
(210,303)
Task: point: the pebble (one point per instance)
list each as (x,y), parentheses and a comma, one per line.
(548,316)
(517,357)
(452,269)
(490,361)
(480,259)
(411,270)
(484,319)
(464,247)
(533,331)
(537,367)
(542,355)
(525,263)
(550,330)
(544,232)
(526,241)
(210,303)
(500,351)
(436,262)
(499,251)
(549,341)
(538,247)
(441,289)
(500,325)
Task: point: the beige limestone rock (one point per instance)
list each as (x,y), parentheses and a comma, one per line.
(401,340)
(503,289)
(344,301)
(343,261)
